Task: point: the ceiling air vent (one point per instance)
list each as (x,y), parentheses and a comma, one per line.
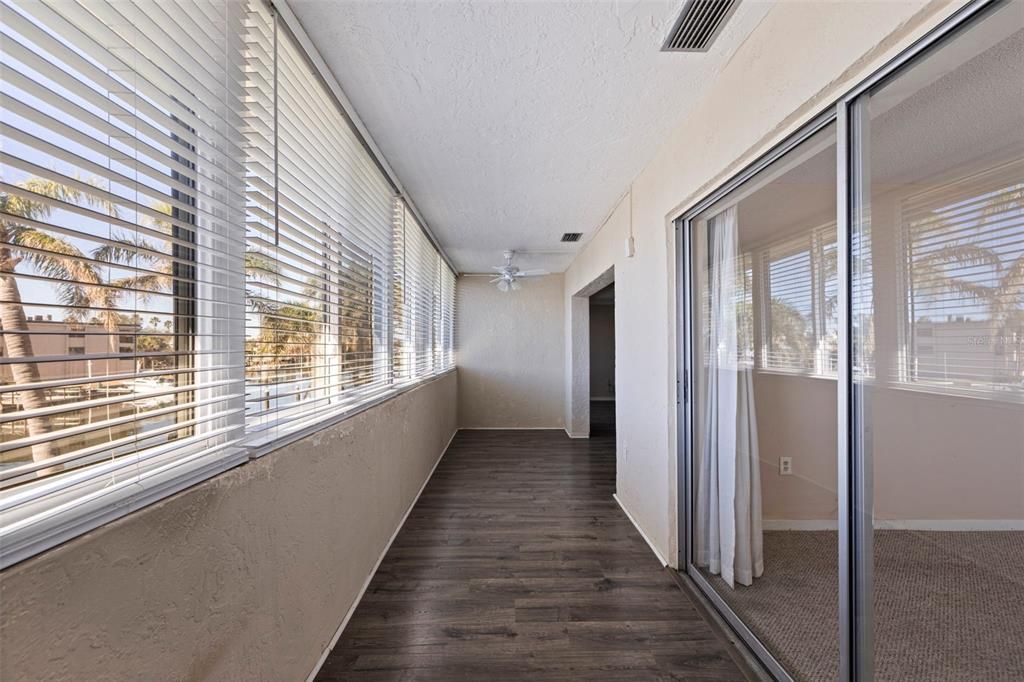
(571,236)
(698,24)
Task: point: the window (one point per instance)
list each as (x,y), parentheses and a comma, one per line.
(113,174)
(186,209)
(318,308)
(424,299)
(446,320)
(800,294)
(742,308)
(963,258)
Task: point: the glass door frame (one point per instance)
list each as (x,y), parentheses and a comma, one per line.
(854,481)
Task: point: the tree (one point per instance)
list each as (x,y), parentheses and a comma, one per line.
(979,273)
(791,335)
(81,285)
(287,330)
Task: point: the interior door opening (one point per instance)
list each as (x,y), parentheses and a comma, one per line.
(602,362)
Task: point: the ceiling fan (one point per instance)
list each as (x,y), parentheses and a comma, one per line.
(509,275)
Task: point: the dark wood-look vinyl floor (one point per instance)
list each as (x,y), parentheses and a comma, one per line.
(517,564)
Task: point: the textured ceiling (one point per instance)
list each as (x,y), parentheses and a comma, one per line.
(510,123)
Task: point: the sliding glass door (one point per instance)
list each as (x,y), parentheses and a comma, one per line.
(938,354)
(764,375)
(852,356)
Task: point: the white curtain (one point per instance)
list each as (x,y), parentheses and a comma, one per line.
(728,528)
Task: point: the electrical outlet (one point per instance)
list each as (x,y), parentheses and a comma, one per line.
(785,466)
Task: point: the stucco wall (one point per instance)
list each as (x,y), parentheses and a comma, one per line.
(243,577)
(800,58)
(510,353)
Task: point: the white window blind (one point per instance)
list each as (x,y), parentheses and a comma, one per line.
(419,332)
(198,257)
(862,305)
(963,246)
(799,303)
(120,285)
(318,283)
(742,307)
(446,322)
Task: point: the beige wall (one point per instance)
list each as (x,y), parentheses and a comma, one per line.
(796,417)
(509,349)
(930,462)
(800,58)
(243,577)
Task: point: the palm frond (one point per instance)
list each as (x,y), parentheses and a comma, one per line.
(143,284)
(959,255)
(261,267)
(56,258)
(130,248)
(1012,282)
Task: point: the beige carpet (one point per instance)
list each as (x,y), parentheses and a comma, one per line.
(948,605)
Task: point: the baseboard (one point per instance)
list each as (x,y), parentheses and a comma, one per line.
(511,428)
(369,578)
(950,524)
(800,524)
(576,435)
(640,530)
(901,524)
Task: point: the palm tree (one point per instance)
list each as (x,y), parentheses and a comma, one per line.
(287,329)
(979,274)
(356,334)
(81,285)
(791,335)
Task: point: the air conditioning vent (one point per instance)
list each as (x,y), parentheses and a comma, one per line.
(571,236)
(698,25)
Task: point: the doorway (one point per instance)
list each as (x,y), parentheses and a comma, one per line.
(602,362)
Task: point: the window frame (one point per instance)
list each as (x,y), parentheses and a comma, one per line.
(815,244)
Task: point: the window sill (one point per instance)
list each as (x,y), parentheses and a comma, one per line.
(23,540)
(257,451)
(794,373)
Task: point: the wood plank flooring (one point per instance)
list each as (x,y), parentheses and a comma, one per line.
(517,564)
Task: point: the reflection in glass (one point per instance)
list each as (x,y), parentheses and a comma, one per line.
(764,449)
(938,342)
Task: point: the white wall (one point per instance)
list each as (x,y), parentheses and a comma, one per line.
(799,59)
(509,349)
(243,577)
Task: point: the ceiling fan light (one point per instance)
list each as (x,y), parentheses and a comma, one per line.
(516,286)
(502,285)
